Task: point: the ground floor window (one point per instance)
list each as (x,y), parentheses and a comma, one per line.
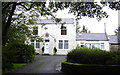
(63,44)
(60,44)
(95,45)
(102,46)
(35,43)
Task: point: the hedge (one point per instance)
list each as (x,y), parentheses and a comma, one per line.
(16,53)
(22,53)
(89,68)
(86,55)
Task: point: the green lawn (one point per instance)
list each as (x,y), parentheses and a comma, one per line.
(19,65)
(15,66)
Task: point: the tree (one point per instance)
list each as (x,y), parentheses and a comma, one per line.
(84,30)
(10,16)
(79,9)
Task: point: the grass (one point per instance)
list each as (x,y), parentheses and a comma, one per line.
(15,66)
(19,65)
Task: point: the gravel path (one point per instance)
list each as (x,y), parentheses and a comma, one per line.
(43,64)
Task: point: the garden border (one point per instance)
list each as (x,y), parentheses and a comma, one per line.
(67,67)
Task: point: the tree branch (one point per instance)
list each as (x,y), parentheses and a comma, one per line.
(26,7)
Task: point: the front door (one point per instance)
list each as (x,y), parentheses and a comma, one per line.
(47,47)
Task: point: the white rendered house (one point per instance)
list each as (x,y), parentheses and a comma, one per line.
(63,37)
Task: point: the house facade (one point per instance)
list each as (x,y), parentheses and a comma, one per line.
(60,36)
(63,37)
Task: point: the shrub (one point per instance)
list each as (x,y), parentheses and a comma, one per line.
(6,60)
(86,55)
(43,49)
(22,53)
(115,55)
(55,50)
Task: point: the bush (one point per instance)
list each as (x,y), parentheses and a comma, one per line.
(85,55)
(43,49)
(21,53)
(6,60)
(115,55)
(55,50)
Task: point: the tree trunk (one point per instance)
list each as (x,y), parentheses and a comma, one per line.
(7,25)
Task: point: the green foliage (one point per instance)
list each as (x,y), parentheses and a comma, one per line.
(15,66)
(84,55)
(21,53)
(6,60)
(115,57)
(79,9)
(16,53)
(58,20)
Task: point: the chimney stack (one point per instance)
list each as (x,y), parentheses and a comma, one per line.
(105,28)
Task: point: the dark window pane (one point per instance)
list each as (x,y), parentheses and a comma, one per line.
(63,31)
(60,44)
(66,44)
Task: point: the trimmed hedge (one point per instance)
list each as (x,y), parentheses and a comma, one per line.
(89,68)
(84,55)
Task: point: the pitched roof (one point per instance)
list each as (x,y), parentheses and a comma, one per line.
(91,36)
(51,21)
(113,39)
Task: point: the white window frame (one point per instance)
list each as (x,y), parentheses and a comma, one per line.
(102,44)
(34,43)
(60,44)
(63,43)
(37,44)
(66,46)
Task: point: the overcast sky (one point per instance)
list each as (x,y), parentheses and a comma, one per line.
(92,24)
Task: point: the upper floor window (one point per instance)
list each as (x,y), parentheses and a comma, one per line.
(35,30)
(63,31)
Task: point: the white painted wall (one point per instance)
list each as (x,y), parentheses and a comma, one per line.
(106,43)
(55,32)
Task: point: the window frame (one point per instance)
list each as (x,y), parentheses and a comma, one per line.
(63,31)
(102,46)
(37,44)
(66,44)
(63,44)
(60,44)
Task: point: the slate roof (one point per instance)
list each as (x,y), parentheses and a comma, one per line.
(92,36)
(113,39)
(51,21)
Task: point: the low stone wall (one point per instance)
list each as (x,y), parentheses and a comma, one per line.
(86,68)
